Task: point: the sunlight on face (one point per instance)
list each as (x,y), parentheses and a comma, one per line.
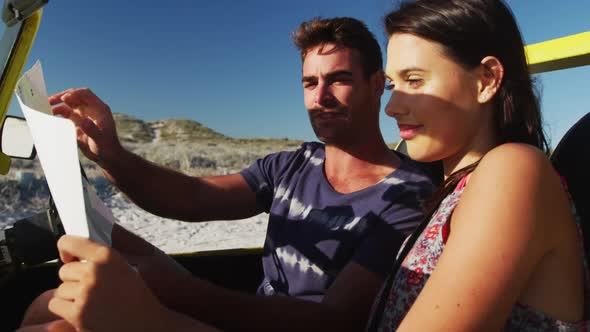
(433,98)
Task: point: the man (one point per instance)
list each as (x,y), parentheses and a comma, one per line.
(339,211)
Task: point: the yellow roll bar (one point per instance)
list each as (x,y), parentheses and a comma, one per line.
(561,53)
(14,67)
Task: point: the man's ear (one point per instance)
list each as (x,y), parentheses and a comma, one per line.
(491,74)
(378,82)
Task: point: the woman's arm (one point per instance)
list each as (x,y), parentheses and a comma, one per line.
(512,214)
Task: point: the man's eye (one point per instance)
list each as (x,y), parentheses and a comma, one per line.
(343,81)
(309,85)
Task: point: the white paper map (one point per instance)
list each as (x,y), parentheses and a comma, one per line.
(81,211)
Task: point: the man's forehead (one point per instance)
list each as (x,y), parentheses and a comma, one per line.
(329,57)
(326,49)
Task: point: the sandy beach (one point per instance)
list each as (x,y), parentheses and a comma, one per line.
(173,236)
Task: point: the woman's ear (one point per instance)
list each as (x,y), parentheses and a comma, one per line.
(491,76)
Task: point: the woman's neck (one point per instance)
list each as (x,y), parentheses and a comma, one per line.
(484,141)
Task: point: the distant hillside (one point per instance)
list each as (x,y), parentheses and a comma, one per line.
(203,150)
(134,130)
(184,130)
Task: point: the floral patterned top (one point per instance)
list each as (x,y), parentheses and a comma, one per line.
(421,261)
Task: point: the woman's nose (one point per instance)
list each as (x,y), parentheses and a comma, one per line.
(396,105)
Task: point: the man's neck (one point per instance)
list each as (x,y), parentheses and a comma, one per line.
(353,167)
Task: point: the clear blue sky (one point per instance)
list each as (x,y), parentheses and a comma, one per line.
(231,66)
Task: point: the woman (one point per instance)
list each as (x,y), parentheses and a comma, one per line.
(501,249)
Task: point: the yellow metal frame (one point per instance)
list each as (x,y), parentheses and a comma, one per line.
(561,53)
(220,252)
(203,253)
(14,67)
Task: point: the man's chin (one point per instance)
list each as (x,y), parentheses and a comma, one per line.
(333,138)
(332,134)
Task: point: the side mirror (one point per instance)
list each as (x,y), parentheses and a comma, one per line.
(16,139)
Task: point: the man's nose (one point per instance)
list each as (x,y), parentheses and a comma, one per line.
(324,96)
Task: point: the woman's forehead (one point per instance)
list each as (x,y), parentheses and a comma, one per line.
(405,51)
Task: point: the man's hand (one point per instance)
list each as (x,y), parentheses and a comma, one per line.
(101,292)
(95,126)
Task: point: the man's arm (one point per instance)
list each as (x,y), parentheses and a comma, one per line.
(171,194)
(159,190)
(345,307)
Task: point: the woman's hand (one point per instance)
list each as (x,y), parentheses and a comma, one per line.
(101,292)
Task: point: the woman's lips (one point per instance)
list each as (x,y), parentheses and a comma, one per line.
(408,131)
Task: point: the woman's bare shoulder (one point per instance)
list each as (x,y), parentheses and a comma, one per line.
(522,156)
(517,182)
(516,164)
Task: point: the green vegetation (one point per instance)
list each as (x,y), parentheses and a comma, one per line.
(133,130)
(182,130)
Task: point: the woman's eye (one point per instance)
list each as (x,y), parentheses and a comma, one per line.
(414,82)
(389,86)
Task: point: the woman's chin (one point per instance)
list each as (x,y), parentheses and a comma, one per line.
(421,154)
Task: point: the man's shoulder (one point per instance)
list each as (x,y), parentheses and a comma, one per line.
(306,150)
(312,147)
(429,175)
(287,161)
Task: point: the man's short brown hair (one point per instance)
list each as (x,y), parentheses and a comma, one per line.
(341,31)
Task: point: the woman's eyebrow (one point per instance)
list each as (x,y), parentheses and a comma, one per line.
(409,69)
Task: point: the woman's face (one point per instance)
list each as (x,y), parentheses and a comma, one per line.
(433,99)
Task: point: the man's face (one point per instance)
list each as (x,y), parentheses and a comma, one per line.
(339,98)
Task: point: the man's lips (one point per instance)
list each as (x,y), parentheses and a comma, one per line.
(329,115)
(407,131)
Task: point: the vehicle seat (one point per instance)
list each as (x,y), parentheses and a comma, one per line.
(571,159)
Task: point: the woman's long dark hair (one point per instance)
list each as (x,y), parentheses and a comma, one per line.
(468,31)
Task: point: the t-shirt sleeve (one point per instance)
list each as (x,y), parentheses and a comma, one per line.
(264,174)
(387,232)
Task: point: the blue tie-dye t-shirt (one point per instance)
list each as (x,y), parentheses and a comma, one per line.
(314,231)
